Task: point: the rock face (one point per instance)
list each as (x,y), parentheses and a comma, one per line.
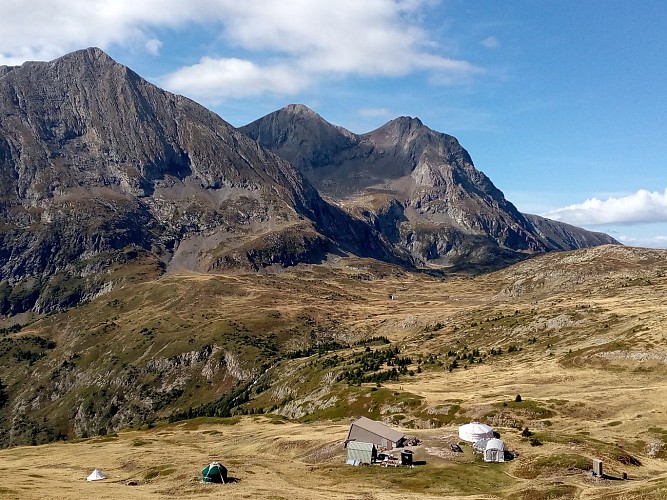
(417,186)
(99,167)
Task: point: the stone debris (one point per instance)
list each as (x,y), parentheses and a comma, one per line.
(412,441)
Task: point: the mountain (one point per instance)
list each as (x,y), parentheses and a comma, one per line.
(101,170)
(105,178)
(417,186)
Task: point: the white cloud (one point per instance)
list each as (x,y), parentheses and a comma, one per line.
(640,207)
(153,46)
(307,41)
(216,79)
(490,42)
(310,40)
(302,40)
(374,112)
(643,241)
(372,37)
(45,29)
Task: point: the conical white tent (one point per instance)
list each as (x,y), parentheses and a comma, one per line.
(96,475)
(474,431)
(495,451)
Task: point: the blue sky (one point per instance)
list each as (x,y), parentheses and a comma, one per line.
(563,104)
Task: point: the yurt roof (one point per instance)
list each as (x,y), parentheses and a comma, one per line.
(474,431)
(477,428)
(495,444)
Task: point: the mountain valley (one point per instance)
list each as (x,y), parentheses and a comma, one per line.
(175,290)
(579,335)
(86,143)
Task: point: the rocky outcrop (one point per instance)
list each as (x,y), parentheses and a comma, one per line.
(418,187)
(301,136)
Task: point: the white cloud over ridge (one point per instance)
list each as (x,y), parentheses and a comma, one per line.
(307,41)
(234,78)
(638,208)
(647,241)
(46,29)
(287,45)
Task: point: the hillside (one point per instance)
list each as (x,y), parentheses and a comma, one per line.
(579,335)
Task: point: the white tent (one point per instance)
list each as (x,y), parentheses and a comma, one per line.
(474,431)
(495,451)
(96,475)
(480,446)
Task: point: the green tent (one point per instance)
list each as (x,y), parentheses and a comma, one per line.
(214,473)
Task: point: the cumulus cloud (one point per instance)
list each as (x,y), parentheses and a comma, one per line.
(370,37)
(153,46)
(640,207)
(234,78)
(306,41)
(46,29)
(297,42)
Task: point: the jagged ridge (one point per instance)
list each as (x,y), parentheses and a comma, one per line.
(417,186)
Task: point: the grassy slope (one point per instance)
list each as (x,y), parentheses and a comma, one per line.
(588,359)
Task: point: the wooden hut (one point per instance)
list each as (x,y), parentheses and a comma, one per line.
(366,430)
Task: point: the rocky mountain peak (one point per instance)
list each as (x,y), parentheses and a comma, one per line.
(300,135)
(397,131)
(93,55)
(85,64)
(404,123)
(300,109)
(418,186)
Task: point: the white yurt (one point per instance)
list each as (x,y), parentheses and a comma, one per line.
(96,475)
(474,431)
(494,451)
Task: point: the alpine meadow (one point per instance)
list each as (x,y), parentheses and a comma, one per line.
(176,291)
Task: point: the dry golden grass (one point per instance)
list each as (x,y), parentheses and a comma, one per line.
(593,359)
(266,460)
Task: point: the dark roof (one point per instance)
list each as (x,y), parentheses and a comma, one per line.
(379,429)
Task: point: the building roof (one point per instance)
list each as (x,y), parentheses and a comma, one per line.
(379,429)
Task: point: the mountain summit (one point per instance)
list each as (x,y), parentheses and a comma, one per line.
(417,186)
